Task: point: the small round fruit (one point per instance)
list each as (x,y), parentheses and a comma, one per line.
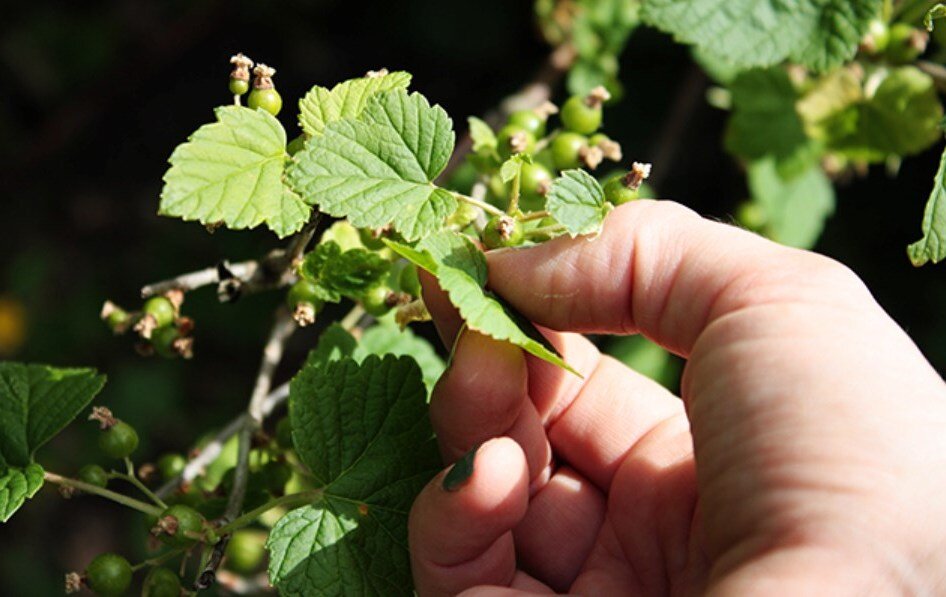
(305,291)
(529,120)
(618,193)
(284,433)
(580,117)
(108,574)
(277,474)
(565,150)
(93,474)
(267,99)
(534,183)
(162,339)
(877,38)
(598,139)
(906,43)
(239,86)
(117,319)
(513,139)
(503,231)
(375,300)
(189,521)
(161,582)
(119,440)
(246,551)
(161,309)
(409,281)
(171,465)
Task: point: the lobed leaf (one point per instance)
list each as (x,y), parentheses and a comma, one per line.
(340,272)
(16,486)
(576,201)
(321,106)
(932,247)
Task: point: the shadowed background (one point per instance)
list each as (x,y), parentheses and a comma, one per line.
(97,94)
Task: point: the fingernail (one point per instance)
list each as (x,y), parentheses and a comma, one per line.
(461,470)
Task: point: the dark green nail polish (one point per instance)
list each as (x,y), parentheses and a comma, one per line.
(457,476)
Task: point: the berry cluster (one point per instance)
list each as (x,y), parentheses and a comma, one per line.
(159,324)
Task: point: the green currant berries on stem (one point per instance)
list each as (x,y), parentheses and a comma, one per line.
(376,300)
(530,120)
(513,139)
(108,574)
(583,114)
(171,465)
(906,43)
(240,76)
(566,150)
(246,550)
(177,525)
(93,474)
(161,309)
(264,95)
(503,231)
(163,341)
(305,302)
(161,582)
(535,180)
(626,188)
(119,440)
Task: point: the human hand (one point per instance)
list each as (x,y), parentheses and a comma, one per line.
(807,455)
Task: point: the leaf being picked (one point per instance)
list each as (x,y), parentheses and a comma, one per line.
(36,402)
(818,34)
(932,247)
(378,170)
(363,432)
(320,106)
(461,270)
(576,201)
(231,172)
(795,207)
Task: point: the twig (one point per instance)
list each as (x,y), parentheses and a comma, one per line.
(102,492)
(490,209)
(293,499)
(244,270)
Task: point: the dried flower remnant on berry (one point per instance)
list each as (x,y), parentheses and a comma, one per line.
(376,74)
(104,417)
(597,96)
(638,174)
(263,76)
(591,156)
(241,67)
(73,583)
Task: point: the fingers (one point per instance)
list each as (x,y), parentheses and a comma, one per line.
(463,538)
(657,268)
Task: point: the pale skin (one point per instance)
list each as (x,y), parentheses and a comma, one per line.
(807,455)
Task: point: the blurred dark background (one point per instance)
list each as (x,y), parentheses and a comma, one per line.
(96,94)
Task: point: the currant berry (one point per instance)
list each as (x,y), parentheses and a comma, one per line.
(186,522)
(305,291)
(93,474)
(246,550)
(529,120)
(513,139)
(171,465)
(162,340)
(161,309)
(284,433)
(906,43)
(239,86)
(503,231)
(267,99)
(566,149)
(877,37)
(108,574)
(161,582)
(535,180)
(618,193)
(119,440)
(276,474)
(375,300)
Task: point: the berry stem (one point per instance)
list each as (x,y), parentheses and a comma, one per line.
(158,560)
(131,478)
(546,230)
(480,204)
(291,500)
(535,215)
(514,192)
(105,493)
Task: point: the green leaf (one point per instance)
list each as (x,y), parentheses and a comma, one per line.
(795,207)
(460,268)
(334,344)
(932,247)
(231,171)
(895,113)
(484,139)
(321,106)
(819,34)
(16,486)
(386,338)
(937,12)
(343,273)
(36,402)
(378,170)
(362,429)
(765,122)
(576,201)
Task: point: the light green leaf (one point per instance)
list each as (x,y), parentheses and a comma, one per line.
(386,338)
(231,172)
(341,273)
(16,486)
(897,113)
(378,170)
(819,34)
(932,247)
(321,106)
(484,139)
(764,120)
(362,429)
(937,12)
(36,402)
(796,207)
(576,201)
(460,268)
(334,344)
(344,234)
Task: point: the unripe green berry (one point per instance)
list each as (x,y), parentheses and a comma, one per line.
(375,300)
(162,340)
(529,120)
(534,183)
(503,231)
(108,574)
(877,37)
(618,193)
(187,522)
(161,582)
(239,86)
(513,139)
(93,474)
(266,99)
(906,43)
(119,440)
(566,148)
(305,291)
(246,551)
(580,117)
(161,309)
(171,465)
